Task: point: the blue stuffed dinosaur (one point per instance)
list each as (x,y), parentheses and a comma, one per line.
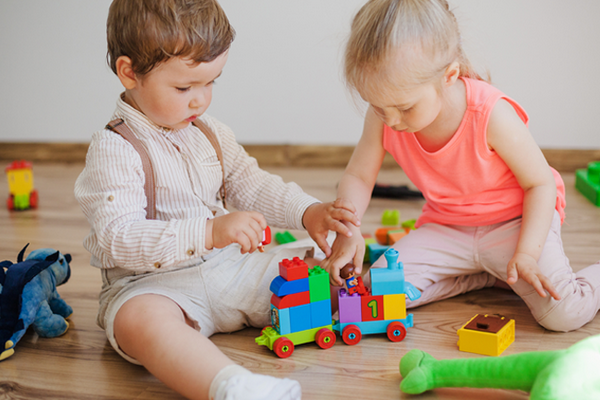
(28,296)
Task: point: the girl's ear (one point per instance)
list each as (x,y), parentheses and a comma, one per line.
(451,74)
(125,72)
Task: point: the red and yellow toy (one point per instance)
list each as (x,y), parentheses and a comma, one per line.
(22,195)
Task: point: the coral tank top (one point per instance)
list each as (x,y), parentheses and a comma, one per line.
(464,182)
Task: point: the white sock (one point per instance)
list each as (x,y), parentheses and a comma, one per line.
(237,383)
(223,376)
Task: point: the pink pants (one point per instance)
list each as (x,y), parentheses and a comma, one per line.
(446,260)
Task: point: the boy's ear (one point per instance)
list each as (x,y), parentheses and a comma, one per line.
(125,72)
(452,73)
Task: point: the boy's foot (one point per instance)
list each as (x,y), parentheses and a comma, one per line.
(258,387)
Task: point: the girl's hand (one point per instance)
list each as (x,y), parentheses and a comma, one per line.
(525,266)
(243,227)
(345,249)
(320,218)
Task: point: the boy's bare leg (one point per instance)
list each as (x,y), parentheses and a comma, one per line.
(155,331)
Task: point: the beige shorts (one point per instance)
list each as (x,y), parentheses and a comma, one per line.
(225,292)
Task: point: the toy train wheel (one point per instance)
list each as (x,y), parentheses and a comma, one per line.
(10,203)
(325,338)
(351,335)
(396,331)
(33,199)
(283,347)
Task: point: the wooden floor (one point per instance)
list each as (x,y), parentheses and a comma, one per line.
(82,365)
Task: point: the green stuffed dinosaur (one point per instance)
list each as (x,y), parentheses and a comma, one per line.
(573,373)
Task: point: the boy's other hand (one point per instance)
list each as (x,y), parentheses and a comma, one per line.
(345,250)
(526,267)
(244,228)
(320,218)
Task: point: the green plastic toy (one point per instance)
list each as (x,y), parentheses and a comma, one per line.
(573,373)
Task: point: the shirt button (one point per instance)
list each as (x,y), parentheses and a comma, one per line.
(190,252)
(111,197)
(156,265)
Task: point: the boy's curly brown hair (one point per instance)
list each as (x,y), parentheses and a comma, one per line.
(150,32)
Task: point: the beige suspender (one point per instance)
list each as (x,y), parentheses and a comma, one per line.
(119,126)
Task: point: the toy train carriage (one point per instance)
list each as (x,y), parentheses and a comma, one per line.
(300,309)
(22,195)
(383,310)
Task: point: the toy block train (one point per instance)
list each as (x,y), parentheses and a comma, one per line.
(22,195)
(301,307)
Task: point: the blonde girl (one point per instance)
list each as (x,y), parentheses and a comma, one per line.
(493,206)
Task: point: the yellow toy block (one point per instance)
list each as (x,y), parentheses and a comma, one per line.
(486,334)
(20,181)
(394,306)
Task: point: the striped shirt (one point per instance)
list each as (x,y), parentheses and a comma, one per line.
(188,176)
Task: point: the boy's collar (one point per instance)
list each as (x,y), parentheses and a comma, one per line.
(132,115)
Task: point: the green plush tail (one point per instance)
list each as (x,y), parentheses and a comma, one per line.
(422,372)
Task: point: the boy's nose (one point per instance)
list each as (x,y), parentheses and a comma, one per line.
(200,99)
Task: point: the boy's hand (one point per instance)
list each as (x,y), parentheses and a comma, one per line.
(320,218)
(525,266)
(345,250)
(243,227)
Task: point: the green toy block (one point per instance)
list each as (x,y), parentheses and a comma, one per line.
(410,223)
(587,181)
(284,237)
(390,218)
(318,283)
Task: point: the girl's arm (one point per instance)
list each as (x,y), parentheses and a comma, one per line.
(508,136)
(356,186)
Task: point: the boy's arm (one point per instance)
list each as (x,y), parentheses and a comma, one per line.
(111,194)
(356,186)
(508,136)
(249,188)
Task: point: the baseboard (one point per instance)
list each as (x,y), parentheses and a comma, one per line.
(305,156)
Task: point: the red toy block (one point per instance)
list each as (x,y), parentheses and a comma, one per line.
(372,308)
(293,269)
(292,300)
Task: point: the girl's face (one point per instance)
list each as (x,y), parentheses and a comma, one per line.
(408,110)
(176,92)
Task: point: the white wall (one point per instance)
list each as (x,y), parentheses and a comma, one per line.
(282,83)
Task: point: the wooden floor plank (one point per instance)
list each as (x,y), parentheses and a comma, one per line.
(82,365)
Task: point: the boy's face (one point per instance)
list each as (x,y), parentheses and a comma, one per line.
(176,92)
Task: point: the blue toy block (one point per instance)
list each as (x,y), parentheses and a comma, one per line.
(372,327)
(280,320)
(281,287)
(300,318)
(350,307)
(320,313)
(376,250)
(388,280)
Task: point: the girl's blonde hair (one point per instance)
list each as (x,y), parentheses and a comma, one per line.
(418,38)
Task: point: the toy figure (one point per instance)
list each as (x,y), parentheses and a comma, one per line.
(573,373)
(20,186)
(28,296)
(353,283)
